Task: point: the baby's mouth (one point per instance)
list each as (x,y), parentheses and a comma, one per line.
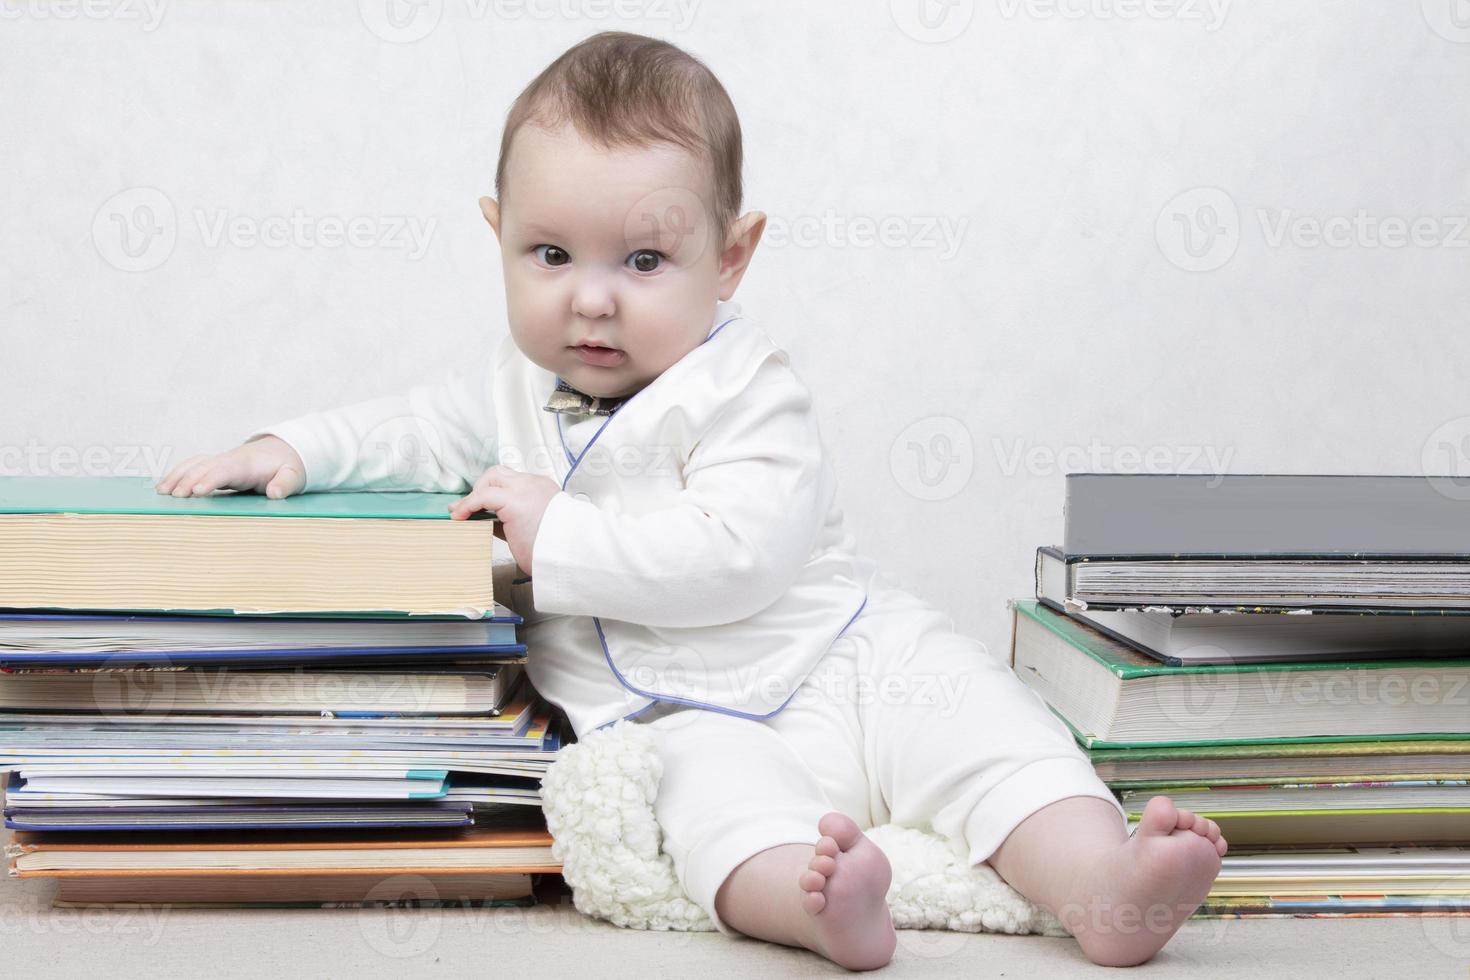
(598,355)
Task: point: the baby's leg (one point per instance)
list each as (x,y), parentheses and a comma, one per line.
(960,743)
(744,820)
(1121,897)
(839,907)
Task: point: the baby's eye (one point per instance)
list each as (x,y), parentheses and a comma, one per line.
(646,260)
(552,255)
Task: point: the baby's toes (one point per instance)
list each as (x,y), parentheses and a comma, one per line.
(827,847)
(1186,820)
(823,865)
(1207,828)
(814,902)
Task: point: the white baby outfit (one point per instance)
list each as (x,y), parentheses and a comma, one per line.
(695,575)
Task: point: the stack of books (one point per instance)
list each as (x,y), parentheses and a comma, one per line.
(252,701)
(1287,655)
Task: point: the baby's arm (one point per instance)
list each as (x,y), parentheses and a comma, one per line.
(435,437)
(754,501)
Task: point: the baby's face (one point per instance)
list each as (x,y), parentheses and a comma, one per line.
(611,271)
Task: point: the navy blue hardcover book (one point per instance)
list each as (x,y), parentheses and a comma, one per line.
(270,816)
(92,639)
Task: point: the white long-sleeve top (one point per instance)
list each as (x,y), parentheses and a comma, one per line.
(695,554)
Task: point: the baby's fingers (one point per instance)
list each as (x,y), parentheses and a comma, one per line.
(187,480)
(288,480)
(171,479)
(206,478)
(489,498)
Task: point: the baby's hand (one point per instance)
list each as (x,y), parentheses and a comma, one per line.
(518,500)
(266,465)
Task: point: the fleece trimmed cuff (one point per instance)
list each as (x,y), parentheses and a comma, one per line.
(707,864)
(1026,791)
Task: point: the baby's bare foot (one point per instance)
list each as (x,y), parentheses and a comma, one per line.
(1136,898)
(846,899)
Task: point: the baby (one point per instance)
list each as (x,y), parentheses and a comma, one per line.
(657,473)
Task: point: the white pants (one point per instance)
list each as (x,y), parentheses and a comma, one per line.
(904,721)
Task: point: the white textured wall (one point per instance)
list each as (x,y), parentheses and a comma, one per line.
(978,256)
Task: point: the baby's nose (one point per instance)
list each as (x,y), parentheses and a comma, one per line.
(592,297)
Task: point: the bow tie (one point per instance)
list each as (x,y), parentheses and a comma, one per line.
(566,400)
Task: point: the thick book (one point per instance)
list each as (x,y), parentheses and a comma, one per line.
(1229,636)
(224,691)
(1112,695)
(115,544)
(260,816)
(524,847)
(421,785)
(1298,762)
(1370,905)
(67,639)
(1344,870)
(1321,828)
(1423,796)
(298,890)
(1258,540)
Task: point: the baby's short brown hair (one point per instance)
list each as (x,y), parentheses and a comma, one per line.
(621,89)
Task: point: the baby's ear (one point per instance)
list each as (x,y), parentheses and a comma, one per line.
(740,245)
(490,208)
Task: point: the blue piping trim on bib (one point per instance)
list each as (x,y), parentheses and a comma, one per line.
(576,461)
(671,699)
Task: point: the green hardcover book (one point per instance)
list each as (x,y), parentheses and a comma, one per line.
(1282,762)
(1113,696)
(1316,828)
(115,544)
